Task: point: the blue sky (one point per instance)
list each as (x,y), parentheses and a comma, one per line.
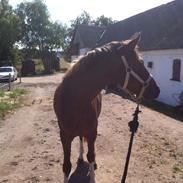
(66,10)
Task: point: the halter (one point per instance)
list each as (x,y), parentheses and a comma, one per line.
(129,71)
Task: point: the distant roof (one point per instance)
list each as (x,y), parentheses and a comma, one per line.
(87,35)
(161,28)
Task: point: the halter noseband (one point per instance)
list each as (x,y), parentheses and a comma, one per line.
(129,71)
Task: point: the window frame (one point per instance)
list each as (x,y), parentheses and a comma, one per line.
(150,64)
(176,70)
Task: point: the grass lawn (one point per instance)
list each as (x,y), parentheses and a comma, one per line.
(10,101)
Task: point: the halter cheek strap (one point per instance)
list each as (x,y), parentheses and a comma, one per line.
(129,71)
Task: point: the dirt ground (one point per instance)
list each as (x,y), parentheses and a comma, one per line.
(30,149)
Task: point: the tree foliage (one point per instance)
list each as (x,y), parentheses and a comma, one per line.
(34,21)
(37,30)
(56,37)
(29,25)
(84,18)
(9,30)
(103,21)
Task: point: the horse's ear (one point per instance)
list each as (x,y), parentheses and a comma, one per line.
(133,41)
(130,44)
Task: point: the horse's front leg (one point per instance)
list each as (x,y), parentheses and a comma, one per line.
(66,144)
(91,156)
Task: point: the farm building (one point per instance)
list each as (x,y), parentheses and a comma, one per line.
(84,39)
(161,45)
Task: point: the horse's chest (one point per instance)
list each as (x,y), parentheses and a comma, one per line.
(81,114)
(80,122)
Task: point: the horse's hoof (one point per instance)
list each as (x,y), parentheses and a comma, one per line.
(80,161)
(95,166)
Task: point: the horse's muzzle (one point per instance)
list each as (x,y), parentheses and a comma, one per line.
(151,93)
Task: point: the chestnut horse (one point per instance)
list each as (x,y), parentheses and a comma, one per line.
(77,100)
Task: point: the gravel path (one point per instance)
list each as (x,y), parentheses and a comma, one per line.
(30,149)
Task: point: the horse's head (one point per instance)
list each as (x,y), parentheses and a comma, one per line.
(136,80)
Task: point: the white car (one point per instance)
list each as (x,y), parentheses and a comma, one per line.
(8,71)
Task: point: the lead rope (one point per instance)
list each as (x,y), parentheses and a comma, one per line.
(133,125)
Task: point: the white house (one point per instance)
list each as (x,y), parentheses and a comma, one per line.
(166,67)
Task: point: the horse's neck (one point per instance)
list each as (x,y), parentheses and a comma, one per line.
(88,84)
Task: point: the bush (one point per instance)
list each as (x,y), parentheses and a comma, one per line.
(4,108)
(10,101)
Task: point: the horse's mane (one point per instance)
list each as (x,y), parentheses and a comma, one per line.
(91,58)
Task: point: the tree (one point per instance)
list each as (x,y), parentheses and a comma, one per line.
(103,21)
(56,36)
(84,19)
(39,32)
(34,23)
(9,30)
(37,29)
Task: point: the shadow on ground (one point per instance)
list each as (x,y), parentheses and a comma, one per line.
(165,109)
(170,111)
(80,175)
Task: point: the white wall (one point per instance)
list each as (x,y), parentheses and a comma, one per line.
(162,72)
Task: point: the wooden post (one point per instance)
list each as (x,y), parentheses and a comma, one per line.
(9,88)
(20,77)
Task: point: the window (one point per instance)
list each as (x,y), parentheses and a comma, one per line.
(176,70)
(5,69)
(150,65)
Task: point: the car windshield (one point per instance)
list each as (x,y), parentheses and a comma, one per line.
(5,69)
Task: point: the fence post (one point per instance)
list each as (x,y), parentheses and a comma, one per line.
(9,82)
(20,77)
